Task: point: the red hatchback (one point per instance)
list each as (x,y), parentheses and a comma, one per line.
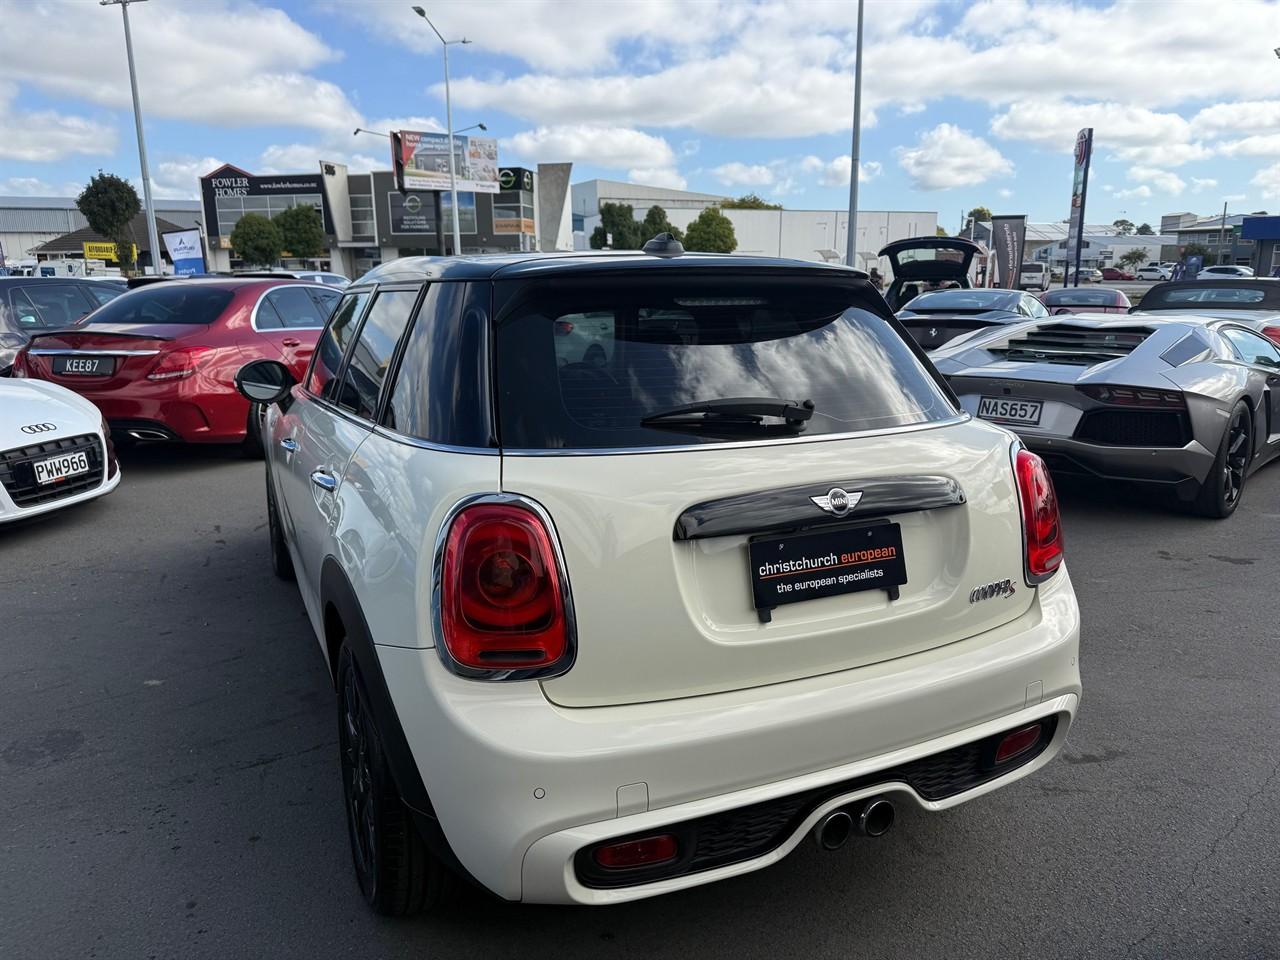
(160,361)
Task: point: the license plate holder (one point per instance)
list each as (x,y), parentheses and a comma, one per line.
(1024,413)
(61,467)
(825,563)
(84,366)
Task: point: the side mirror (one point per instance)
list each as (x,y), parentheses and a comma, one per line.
(264,381)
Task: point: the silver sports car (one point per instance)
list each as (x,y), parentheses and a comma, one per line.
(1191,403)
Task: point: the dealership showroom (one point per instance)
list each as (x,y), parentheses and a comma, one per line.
(566,479)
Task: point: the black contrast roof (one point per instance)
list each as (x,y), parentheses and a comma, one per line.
(502,265)
(1228,293)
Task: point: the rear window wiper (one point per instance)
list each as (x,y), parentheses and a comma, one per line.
(741,409)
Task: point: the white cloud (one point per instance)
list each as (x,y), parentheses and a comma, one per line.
(1234,197)
(657,177)
(35,187)
(1140,193)
(1259,145)
(947,156)
(1246,116)
(835,173)
(178,178)
(605,146)
(1005,193)
(43,136)
(1162,180)
(1200,184)
(1267,180)
(744,174)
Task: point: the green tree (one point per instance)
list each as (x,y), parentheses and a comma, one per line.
(656,222)
(110,204)
(1144,230)
(618,219)
(980,214)
(1134,258)
(257,240)
(1197,250)
(712,232)
(750,201)
(301,231)
(942,232)
(1123,227)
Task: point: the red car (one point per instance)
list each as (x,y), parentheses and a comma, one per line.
(1085,300)
(1115,273)
(160,361)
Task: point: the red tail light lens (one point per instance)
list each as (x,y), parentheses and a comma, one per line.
(1041,522)
(1272,334)
(637,853)
(1018,742)
(563,328)
(179,363)
(1136,397)
(502,602)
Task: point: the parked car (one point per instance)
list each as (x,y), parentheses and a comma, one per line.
(160,361)
(934,318)
(601,631)
(312,276)
(1115,273)
(1085,300)
(1087,275)
(1155,271)
(1219,271)
(1034,276)
(55,450)
(920,262)
(1182,404)
(1252,303)
(1056,273)
(30,305)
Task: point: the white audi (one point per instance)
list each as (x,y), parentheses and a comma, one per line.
(55,449)
(634,570)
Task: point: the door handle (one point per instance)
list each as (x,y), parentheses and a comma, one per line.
(289,444)
(325,481)
(291,342)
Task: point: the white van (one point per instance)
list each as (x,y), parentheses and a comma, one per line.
(1034,276)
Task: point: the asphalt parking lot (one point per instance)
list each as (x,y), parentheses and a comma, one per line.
(170,774)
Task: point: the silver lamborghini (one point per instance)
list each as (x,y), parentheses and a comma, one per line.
(1191,404)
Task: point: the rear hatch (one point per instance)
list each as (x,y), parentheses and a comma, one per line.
(932,330)
(673,530)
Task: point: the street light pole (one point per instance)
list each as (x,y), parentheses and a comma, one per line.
(851,243)
(448,109)
(148,207)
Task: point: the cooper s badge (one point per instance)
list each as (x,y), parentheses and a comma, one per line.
(985,591)
(837,501)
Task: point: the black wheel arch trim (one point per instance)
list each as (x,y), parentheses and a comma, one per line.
(336,591)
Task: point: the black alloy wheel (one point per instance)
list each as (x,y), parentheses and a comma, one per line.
(1221,492)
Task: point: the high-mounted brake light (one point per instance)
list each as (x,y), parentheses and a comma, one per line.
(1041,522)
(180,363)
(503,602)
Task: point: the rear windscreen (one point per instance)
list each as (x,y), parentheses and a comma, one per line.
(1080,297)
(1244,295)
(960,299)
(172,302)
(580,364)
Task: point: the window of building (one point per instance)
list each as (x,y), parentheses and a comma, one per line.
(362,215)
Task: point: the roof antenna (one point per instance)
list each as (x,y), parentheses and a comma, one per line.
(663,245)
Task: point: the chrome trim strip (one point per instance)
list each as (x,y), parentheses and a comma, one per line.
(737,444)
(566,661)
(253,315)
(388,434)
(72,352)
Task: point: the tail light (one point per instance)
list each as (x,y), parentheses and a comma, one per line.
(1272,334)
(646,852)
(503,600)
(19,368)
(1136,397)
(180,363)
(563,328)
(1041,523)
(112,464)
(1018,742)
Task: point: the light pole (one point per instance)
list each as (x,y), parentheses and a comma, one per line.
(448,110)
(379,133)
(851,245)
(148,208)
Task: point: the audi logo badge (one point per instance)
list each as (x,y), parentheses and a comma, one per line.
(33,428)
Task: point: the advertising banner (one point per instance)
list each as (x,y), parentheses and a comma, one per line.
(1079,193)
(185,251)
(421,162)
(105,250)
(1008,237)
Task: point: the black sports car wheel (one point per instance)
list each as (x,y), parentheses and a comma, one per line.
(396,872)
(1221,491)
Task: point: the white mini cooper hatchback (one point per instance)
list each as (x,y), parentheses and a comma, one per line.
(633,570)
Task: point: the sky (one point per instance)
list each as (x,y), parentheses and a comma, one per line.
(964,103)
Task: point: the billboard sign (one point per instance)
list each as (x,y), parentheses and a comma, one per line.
(185,251)
(421,162)
(229,192)
(1008,238)
(1079,193)
(105,250)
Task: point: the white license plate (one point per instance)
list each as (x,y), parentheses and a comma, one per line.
(1009,410)
(60,468)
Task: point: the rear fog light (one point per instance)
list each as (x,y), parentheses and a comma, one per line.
(1019,742)
(637,853)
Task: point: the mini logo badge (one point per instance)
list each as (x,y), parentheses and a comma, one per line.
(34,428)
(837,501)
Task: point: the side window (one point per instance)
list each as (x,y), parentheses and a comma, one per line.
(1252,348)
(267,317)
(100,293)
(25,314)
(371,356)
(295,307)
(325,300)
(58,304)
(437,395)
(1035,308)
(322,380)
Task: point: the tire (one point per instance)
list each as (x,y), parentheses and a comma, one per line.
(396,872)
(281,562)
(251,446)
(1223,489)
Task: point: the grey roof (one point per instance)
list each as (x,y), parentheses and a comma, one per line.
(1210,222)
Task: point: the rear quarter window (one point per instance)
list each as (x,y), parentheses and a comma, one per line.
(580,364)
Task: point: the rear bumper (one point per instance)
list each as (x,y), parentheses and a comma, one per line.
(1180,468)
(519,785)
(188,419)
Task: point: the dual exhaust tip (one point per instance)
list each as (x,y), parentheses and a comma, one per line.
(872,818)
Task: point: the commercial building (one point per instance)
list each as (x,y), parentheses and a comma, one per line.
(589,196)
(1264,233)
(1221,235)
